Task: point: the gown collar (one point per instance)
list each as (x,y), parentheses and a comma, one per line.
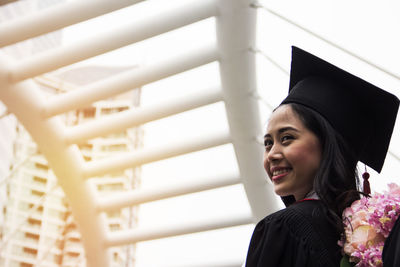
(312,195)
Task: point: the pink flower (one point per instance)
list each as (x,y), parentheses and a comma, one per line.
(371,256)
(367,223)
(362,235)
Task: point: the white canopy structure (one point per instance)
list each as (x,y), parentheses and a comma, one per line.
(235,22)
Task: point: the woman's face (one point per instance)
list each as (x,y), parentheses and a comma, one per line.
(292,154)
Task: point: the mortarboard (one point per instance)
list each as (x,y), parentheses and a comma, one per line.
(362,113)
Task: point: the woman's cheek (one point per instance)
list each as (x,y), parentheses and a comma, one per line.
(304,154)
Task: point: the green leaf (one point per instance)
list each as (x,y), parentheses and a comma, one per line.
(345,262)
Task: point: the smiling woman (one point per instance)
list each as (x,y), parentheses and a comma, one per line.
(292,154)
(313,142)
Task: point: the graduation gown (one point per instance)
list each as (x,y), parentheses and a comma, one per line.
(391,249)
(297,236)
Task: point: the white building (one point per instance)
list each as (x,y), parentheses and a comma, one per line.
(39,229)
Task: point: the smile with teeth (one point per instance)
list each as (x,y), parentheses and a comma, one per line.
(280,171)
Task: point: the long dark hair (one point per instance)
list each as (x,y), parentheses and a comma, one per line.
(336,181)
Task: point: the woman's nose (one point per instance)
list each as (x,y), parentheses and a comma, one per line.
(274,154)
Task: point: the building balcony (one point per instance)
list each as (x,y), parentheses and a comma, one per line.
(71,247)
(74,235)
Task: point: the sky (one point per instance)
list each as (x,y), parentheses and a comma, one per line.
(366,28)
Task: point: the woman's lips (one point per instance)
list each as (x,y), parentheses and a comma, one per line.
(279,174)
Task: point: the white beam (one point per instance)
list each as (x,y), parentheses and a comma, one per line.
(121,36)
(140,196)
(132,159)
(236,26)
(128,80)
(136,116)
(120,238)
(24,99)
(57,17)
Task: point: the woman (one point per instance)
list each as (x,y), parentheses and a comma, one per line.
(329,121)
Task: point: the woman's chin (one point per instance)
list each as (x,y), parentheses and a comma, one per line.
(281,192)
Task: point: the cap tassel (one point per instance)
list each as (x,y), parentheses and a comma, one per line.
(366,186)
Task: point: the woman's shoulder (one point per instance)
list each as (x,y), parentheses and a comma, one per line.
(309,219)
(299,231)
(300,212)
(297,222)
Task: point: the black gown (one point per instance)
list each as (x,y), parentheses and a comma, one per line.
(391,250)
(297,236)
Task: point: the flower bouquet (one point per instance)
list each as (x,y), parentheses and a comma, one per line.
(367,224)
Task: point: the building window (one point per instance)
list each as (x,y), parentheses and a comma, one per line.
(106,111)
(39,179)
(41,166)
(86,146)
(89,112)
(34,222)
(32,236)
(31,251)
(58,259)
(73,254)
(39,209)
(37,193)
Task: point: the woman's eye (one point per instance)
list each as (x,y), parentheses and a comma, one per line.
(286,138)
(267,143)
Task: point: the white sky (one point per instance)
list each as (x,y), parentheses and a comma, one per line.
(367,28)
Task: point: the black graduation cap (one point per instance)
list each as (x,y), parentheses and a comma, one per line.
(362,113)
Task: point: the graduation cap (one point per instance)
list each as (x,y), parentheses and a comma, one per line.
(362,113)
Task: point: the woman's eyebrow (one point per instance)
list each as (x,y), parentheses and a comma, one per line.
(285,129)
(282,130)
(266,136)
